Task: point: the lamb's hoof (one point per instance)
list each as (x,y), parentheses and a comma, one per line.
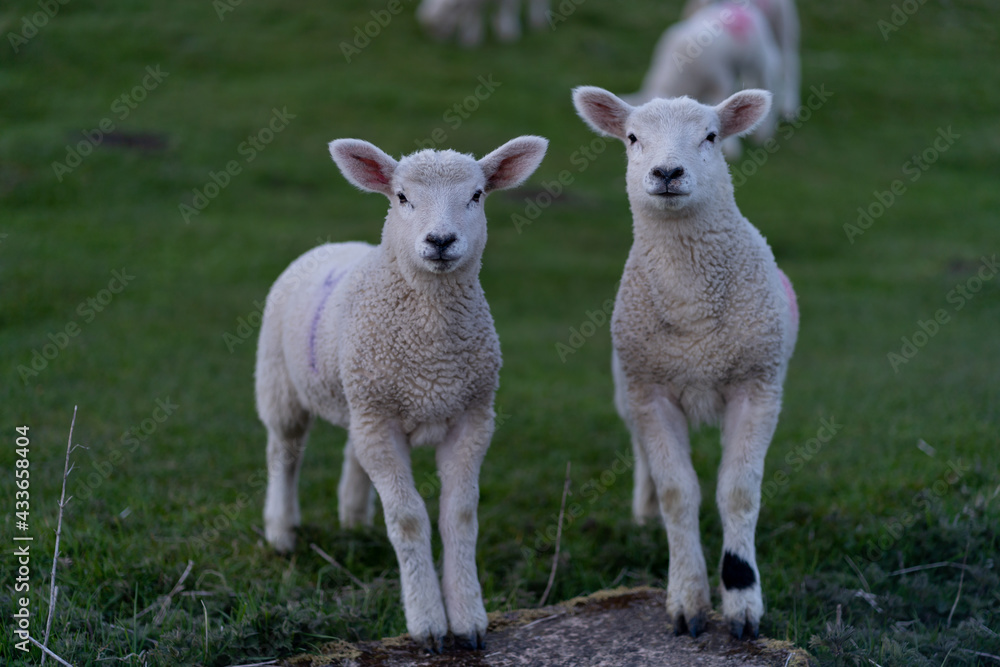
(471,642)
(282,541)
(432,644)
(740,629)
(694,626)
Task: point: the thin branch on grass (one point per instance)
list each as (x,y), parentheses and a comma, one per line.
(543,619)
(555,557)
(918,568)
(165,600)
(258,664)
(53,589)
(961,580)
(864,582)
(46,651)
(332,561)
(981,654)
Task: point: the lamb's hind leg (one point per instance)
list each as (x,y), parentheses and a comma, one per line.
(644,503)
(287,425)
(355,494)
(282,516)
(746,433)
(662,428)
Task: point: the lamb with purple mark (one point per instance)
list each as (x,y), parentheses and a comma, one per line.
(396,344)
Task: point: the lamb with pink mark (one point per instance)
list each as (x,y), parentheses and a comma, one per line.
(703,329)
(396,344)
(716,51)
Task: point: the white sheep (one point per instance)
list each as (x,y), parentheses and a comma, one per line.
(718,50)
(443,18)
(703,328)
(783,18)
(396,344)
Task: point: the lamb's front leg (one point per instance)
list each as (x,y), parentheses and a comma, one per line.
(459,459)
(746,433)
(384,454)
(662,429)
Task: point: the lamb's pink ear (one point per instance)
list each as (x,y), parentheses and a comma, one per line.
(364,165)
(604,112)
(742,112)
(512,163)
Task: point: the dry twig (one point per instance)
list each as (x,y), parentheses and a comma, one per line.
(46,651)
(63,500)
(332,561)
(555,557)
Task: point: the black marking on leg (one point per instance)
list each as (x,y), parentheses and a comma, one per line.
(736,572)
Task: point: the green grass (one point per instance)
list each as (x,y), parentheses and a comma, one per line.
(187,488)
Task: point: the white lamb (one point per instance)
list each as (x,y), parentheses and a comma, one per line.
(396,344)
(443,18)
(703,328)
(783,17)
(718,50)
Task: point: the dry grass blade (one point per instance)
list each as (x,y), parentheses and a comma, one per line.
(555,556)
(53,589)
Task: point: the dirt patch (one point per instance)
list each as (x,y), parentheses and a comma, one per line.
(621,627)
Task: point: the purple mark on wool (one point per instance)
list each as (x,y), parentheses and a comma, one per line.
(329,283)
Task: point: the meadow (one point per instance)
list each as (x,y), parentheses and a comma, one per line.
(162,163)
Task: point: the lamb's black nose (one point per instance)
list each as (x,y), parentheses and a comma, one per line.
(441,242)
(668,174)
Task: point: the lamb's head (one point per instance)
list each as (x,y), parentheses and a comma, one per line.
(436,222)
(674,146)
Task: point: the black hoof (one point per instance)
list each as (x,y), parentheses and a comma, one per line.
(744,630)
(432,645)
(694,627)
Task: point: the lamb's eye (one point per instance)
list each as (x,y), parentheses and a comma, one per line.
(632,139)
(402,198)
(477,195)
(711,137)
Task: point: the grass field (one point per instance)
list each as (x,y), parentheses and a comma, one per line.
(144,313)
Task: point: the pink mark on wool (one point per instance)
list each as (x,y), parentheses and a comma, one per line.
(328,284)
(737,21)
(792,302)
